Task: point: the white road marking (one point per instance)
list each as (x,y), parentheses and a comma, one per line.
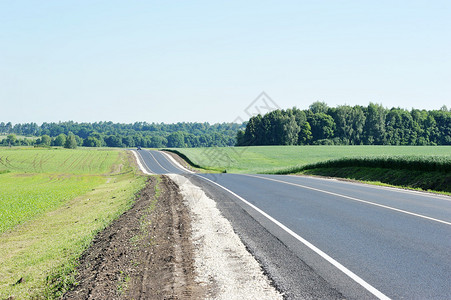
(332,261)
(353,199)
(158,162)
(381,187)
(138,160)
(176,164)
(220,257)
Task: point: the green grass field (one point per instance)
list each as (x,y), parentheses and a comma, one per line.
(57,160)
(425,168)
(262,159)
(23,197)
(36,180)
(52,203)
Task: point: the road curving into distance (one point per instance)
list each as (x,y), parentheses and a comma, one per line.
(323,238)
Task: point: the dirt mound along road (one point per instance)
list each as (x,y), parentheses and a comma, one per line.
(146,254)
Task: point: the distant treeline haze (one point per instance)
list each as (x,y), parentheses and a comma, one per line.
(109,134)
(318,125)
(348,125)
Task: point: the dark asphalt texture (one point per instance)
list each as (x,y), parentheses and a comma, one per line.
(400,254)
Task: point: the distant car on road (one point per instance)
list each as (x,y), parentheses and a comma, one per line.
(139,147)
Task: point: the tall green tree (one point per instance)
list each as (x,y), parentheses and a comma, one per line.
(114,141)
(290,131)
(319,107)
(91,141)
(253,133)
(323,126)
(358,122)
(400,128)
(375,124)
(176,140)
(275,124)
(60,140)
(45,140)
(11,139)
(71,142)
(442,118)
(344,123)
(305,134)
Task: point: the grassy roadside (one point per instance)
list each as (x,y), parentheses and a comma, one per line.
(38,256)
(417,180)
(430,173)
(426,168)
(263,159)
(193,165)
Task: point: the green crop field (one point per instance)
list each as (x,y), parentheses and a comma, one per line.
(34,181)
(80,161)
(417,167)
(262,159)
(52,203)
(23,197)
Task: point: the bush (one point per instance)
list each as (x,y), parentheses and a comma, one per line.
(414,163)
(71,142)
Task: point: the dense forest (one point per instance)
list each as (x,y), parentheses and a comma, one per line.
(348,125)
(111,134)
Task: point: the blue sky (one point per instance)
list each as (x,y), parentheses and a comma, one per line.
(174,61)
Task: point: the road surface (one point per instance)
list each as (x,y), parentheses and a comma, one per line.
(322,238)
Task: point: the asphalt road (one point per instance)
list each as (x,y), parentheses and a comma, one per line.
(322,238)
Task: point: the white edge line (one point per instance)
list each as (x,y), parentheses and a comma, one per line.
(140,165)
(158,162)
(353,199)
(176,163)
(332,261)
(391,188)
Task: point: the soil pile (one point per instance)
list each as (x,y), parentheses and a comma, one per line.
(146,254)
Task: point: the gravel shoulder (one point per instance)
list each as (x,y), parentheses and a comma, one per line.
(221,259)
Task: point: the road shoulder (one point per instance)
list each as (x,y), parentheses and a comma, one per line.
(145,253)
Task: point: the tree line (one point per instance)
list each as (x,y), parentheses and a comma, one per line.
(348,125)
(109,134)
(317,125)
